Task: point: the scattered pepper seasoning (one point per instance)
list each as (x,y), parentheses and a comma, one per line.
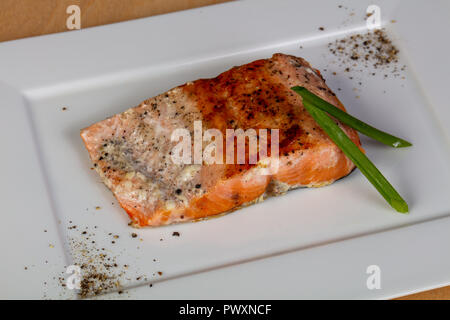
(363,50)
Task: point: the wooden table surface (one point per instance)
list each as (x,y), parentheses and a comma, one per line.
(26,18)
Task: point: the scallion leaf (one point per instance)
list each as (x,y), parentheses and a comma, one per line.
(357,157)
(352,122)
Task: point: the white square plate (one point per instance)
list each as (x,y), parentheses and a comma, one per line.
(314,243)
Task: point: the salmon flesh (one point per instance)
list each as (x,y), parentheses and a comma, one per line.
(132,151)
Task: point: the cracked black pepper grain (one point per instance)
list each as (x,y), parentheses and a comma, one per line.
(373,49)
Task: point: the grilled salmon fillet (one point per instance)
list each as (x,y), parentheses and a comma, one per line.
(132,151)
